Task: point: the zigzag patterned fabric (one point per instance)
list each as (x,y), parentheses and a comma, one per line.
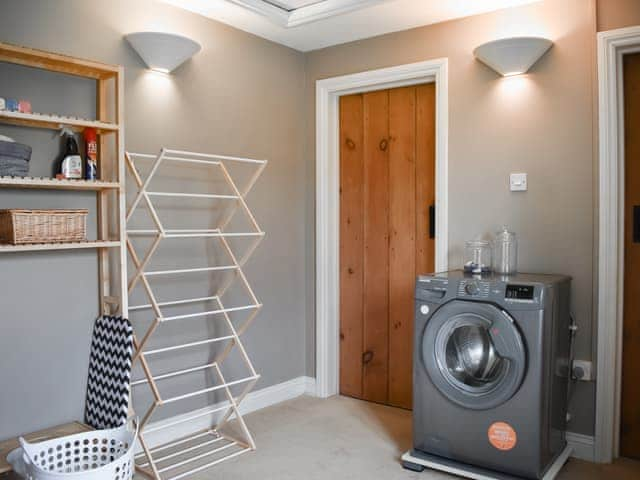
(109,373)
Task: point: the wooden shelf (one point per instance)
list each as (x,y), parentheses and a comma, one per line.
(48,434)
(41,247)
(56,62)
(42,120)
(54,184)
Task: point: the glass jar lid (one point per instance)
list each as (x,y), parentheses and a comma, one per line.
(505,235)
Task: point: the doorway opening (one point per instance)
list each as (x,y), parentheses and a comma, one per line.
(328,93)
(616,221)
(630,393)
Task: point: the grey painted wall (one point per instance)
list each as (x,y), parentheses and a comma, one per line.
(541,123)
(241,95)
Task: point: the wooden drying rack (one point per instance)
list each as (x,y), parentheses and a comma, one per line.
(181,457)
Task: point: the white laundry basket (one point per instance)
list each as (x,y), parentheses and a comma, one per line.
(94,455)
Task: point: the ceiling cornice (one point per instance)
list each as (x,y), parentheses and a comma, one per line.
(332,22)
(303,15)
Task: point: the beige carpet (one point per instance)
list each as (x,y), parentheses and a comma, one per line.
(343,438)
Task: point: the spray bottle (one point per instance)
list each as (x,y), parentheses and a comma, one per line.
(70,163)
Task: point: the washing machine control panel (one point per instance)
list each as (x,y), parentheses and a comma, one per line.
(473,288)
(517,291)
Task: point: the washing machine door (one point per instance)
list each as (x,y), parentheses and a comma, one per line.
(474,354)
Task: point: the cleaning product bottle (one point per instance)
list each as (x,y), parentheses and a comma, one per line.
(91,144)
(70,163)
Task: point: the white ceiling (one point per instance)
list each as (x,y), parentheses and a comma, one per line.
(312,24)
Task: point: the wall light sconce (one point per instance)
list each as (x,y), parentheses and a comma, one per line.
(512,56)
(163,52)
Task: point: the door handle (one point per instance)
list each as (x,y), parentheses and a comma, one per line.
(432,221)
(636,224)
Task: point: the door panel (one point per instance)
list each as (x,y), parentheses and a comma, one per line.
(351,245)
(474,358)
(376,246)
(402,242)
(387,186)
(630,413)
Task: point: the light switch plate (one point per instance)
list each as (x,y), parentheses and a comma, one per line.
(518,182)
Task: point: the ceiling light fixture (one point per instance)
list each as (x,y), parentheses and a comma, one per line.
(163,52)
(512,56)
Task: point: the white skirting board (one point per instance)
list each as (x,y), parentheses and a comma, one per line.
(256,400)
(582,446)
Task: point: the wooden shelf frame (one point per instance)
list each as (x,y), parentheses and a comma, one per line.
(183,462)
(110,189)
(110,194)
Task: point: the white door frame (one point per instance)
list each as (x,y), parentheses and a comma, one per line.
(328,92)
(612,45)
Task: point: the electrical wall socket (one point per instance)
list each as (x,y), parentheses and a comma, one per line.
(582,370)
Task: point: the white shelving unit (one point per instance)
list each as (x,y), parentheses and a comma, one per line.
(185,456)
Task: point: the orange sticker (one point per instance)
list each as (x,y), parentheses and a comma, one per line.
(502,436)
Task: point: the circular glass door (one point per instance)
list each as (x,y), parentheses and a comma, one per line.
(470,358)
(474,354)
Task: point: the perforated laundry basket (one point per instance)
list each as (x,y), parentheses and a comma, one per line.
(94,455)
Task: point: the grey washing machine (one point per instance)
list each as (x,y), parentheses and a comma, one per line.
(491,356)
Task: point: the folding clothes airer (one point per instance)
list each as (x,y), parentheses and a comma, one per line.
(196,452)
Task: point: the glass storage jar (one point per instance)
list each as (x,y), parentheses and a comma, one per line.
(477,256)
(505,252)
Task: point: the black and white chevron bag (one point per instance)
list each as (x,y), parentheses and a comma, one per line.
(109,373)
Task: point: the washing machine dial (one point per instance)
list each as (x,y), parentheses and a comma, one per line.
(471,288)
(424,309)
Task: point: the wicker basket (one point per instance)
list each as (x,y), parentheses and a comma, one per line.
(20,227)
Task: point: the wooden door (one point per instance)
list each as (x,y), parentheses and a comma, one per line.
(387,196)
(630,410)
